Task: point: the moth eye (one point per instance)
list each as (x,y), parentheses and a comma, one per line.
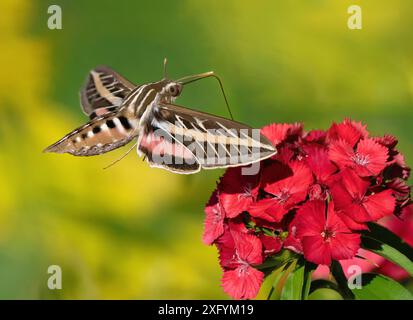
(174,90)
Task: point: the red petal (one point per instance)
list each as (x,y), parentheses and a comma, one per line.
(376,155)
(355,185)
(301,179)
(346,186)
(278,133)
(234,204)
(271,245)
(341,153)
(380,204)
(269,209)
(316,136)
(334,223)
(226,249)
(351,223)
(388,141)
(344,131)
(316,250)
(348,191)
(357,212)
(214,220)
(344,245)
(276,171)
(237,191)
(310,219)
(319,163)
(293,244)
(243,282)
(362,128)
(237,224)
(289,189)
(400,188)
(285,154)
(398,169)
(249,247)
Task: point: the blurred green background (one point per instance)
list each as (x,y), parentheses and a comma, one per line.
(135,232)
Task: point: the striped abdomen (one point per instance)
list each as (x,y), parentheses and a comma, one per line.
(100,135)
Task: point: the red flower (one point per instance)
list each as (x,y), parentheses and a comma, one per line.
(237,191)
(349,131)
(240,280)
(350,195)
(371,262)
(278,133)
(369,159)
(312,198)
(287,184)
(324,235)
(214,220)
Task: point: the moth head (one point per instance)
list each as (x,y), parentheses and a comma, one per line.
(173,89)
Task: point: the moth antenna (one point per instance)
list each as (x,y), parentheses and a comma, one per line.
(196,77)
(123,156)
(225,96)
(165,63)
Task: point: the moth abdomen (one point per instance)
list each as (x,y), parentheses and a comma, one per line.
(98,136)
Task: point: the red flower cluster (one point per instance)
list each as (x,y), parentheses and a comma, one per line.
(313,197)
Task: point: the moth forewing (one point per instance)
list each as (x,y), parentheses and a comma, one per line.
(216,142)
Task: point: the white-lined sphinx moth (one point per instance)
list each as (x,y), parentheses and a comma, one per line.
(172,137)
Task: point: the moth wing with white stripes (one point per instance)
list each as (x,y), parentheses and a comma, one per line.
(104,91)
(162,151)
(203,139)
(100,135)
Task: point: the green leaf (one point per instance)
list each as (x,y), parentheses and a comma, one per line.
(379,287)
(384,235)
(297,284)
(293,286)
(341,279)
(309,269)
(323,284)
(388,252)
(274,262)
(325,294)
(280,279)
(274,295)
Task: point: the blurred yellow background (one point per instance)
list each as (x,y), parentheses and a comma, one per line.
(135,232)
